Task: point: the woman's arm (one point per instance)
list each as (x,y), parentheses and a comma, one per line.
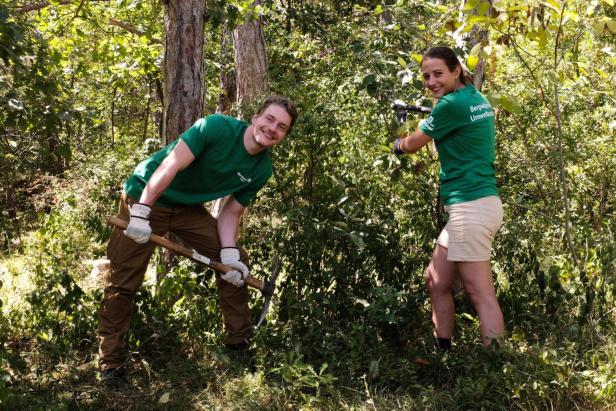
(412,143)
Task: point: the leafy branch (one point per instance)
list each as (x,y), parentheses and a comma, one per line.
(44,4)
(553,106)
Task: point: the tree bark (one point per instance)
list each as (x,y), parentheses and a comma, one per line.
(250,69)
(227,77)
(481,36)
(183,66)
(477,36)
(183,72)
(250,58)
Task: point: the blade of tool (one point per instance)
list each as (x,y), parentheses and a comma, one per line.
(268,289)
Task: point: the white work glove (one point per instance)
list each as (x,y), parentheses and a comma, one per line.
(231,257)
(139,225)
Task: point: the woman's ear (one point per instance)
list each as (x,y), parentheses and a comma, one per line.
(458,71)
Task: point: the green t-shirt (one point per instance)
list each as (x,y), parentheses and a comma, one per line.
(222,166)
(462,126)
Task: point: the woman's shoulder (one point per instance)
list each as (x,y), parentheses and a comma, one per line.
(464,97)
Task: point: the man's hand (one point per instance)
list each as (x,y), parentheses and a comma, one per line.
(397,148)
(139,225)
(231,258)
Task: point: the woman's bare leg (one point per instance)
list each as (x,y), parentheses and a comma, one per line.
(477,280)
(439,279)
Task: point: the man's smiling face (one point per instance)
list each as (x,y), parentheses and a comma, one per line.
(271,126)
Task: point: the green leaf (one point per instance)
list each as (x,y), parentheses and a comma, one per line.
(598,26)
(481,19)
(372,89)
(471,62)
(552,4)
(475,50)
(393,27)
(506,104)
(470,4)
(543,37)
(439,7)
(510,103)
(483,8)
(368,80)
(164,398)
(16,104)
(341,225)
(451,25)
(405,76)
(357,240)
(611,24)
(552,76)
(363,302)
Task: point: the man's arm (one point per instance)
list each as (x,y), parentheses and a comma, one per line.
(412,143)
(229,222)
(179,158)
(139,225)
(228,225)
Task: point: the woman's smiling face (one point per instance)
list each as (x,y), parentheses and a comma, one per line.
(438,78)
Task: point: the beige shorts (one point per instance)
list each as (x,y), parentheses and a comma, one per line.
(471,228)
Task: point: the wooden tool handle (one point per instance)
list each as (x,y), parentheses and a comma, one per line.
(192,254)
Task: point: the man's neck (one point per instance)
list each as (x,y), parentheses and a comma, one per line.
(251,146)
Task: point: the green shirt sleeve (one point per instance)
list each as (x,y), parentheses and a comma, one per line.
(196,137)
(246,196)
(444,119)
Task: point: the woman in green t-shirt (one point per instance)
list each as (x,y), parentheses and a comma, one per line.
(462,128)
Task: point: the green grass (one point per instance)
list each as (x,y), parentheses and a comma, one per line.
(206,376)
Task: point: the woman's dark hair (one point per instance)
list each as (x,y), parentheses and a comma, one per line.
(451,61)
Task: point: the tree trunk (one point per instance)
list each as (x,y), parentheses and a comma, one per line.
(183,66)
(227,77)
(476,36)
(250,69)
(183,89)
(250,58)
(481,36)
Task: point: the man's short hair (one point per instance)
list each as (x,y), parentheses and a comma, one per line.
(281,101)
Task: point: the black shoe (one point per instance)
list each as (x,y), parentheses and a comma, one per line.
(113,377)
(442,345)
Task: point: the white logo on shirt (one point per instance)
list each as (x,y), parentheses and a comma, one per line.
(486,109)
(484,106)
(429,123)
(244,179)
(482,115)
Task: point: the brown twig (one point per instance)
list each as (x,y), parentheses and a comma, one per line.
(131,29)
(43,4)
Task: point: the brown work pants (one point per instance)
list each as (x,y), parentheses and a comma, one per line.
(129,262)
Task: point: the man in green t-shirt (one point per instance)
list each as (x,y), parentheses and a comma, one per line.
(218,156)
